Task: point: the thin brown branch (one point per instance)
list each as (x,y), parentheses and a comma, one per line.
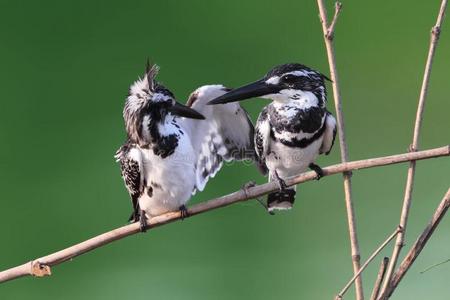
(328,32)
(435,265)
(364,266)
(41,266)
(415,145)
(418,246)
(379,280)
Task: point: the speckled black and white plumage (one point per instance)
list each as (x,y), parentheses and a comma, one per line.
(228,134)
(167,158)
(131,173)
(294,128)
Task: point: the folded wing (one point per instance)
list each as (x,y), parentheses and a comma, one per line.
(130,160)
(262,138)
(329,135)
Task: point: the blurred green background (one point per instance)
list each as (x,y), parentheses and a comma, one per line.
(65,71)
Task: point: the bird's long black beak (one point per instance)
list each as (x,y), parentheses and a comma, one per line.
(185,111)
(255,89)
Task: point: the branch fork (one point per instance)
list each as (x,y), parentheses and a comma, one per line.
(329,35)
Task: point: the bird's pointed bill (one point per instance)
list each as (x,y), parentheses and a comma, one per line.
(252,90)
(184,111)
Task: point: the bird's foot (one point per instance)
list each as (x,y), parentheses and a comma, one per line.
(317,169)
(184,212)
(281,183)
(142,221)
(248,185)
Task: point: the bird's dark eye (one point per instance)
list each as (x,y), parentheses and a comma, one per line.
(289,78)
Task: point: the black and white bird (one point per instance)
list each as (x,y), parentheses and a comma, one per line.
(293,129)
(172,149)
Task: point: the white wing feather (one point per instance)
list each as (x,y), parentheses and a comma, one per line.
(262,140)
(329,135)
(225,134)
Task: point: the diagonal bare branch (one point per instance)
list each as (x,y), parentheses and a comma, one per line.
(435,265)
(418,246)
(41,266)
(364,266)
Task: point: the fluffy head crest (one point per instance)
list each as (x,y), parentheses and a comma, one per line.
(150,72)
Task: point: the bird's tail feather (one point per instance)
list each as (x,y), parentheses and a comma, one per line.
(281,200)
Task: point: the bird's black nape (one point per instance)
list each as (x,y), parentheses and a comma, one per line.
(286,68)
(292,67)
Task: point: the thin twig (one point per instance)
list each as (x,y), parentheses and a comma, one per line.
(435,265)
(418,246)
(364,266)
(337,10)
(328,32)
(415,145)
(380,276)
(41,266)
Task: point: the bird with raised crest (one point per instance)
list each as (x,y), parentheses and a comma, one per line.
(173,149)
(293,129)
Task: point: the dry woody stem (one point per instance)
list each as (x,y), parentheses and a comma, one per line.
(415,146)
(418,246)
(41,266)
(364,266)
(328,32)
(379,280)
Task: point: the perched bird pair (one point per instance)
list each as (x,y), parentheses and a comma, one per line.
(172,150)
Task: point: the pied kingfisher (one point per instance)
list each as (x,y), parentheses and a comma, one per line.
(172,149)
(293,129)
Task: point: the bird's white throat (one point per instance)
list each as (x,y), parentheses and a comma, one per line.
(299,99)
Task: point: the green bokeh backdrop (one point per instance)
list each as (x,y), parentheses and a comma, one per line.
(65,70)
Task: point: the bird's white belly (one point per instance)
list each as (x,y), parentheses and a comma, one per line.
(169,181)
(289,161)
